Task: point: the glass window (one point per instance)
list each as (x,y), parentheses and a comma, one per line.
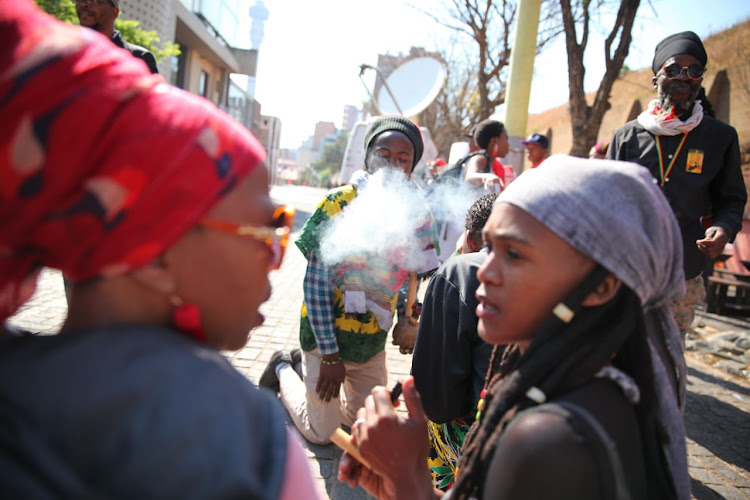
(178,68)
(203,84)
(222,15)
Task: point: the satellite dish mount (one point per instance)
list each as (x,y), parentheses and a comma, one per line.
(362,69)
(410,88)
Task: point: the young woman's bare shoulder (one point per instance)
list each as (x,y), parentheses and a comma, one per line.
(540,455)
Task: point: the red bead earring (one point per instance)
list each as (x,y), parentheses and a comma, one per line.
(186,317)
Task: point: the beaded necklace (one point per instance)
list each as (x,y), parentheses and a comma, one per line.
(665,175)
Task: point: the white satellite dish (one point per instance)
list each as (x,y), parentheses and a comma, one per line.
(411,87)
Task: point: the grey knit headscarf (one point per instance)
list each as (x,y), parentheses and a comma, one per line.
(614,213)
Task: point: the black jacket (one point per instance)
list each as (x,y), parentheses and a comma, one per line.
(715,187)
(450,359)
(137,51)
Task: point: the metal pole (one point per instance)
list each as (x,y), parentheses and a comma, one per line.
(362,69)
(519,78)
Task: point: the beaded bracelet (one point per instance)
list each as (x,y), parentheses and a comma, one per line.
(326,362)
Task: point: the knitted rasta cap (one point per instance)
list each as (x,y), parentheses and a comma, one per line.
(686,42)
(399,124)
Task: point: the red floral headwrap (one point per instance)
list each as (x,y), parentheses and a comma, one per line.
(102,165)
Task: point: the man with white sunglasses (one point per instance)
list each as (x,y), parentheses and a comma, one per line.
(694,157)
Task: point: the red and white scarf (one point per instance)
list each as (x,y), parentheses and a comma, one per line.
(663,121)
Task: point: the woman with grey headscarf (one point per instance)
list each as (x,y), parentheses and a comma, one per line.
(584,257)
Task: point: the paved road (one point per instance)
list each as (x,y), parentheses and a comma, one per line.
(717,416)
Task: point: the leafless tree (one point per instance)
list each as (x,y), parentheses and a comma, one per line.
(455,108)
(477,57)
(488,23)
(586,119)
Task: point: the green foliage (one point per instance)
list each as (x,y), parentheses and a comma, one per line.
(130,31)
(65,10)
(324,177)
(332,156)
(307,178)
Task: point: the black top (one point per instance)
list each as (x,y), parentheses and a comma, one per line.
(137,51)
(544,455)
(450,360)
(711,184)
(490,160)
(137,412)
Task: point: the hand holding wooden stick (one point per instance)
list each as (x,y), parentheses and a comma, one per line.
(343,441)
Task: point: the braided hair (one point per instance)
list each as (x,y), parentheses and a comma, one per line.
(563,356)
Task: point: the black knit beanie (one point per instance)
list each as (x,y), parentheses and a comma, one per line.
(399,124)
(686,42)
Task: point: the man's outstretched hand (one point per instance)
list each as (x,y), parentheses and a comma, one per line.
(714,242)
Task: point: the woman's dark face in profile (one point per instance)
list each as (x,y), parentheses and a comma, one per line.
(527,272)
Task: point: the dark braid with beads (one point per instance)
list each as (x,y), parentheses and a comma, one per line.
(563,356)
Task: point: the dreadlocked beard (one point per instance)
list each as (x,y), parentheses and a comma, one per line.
(560,358)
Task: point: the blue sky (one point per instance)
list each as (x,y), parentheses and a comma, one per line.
(309,60)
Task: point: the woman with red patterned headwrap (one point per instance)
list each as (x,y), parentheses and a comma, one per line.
(155,206)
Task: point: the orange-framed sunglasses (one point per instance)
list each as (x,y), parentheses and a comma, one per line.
(275,237)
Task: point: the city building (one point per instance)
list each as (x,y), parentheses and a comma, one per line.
(351,115)
(211,34)
(322,131)
(269,136)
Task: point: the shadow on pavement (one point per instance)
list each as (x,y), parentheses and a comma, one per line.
(703,492)
(719,427)
(730,386)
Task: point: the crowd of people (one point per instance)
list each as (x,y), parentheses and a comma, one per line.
(549,346)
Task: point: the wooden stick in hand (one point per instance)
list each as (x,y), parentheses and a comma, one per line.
(343,441)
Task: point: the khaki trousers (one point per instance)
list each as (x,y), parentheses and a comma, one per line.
(683,308)
(314,418)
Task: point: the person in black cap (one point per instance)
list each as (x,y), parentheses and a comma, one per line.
(537,149)
(694,157)
(349,301)
(100,15)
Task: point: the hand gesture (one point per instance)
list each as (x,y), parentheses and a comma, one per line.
(493,183)
(714,242)
(405,335)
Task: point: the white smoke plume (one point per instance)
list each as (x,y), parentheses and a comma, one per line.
(381,220)
(449,201)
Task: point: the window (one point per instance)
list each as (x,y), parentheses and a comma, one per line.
(203,84)
(178,68)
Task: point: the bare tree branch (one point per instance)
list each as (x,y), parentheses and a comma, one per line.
(586,120)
